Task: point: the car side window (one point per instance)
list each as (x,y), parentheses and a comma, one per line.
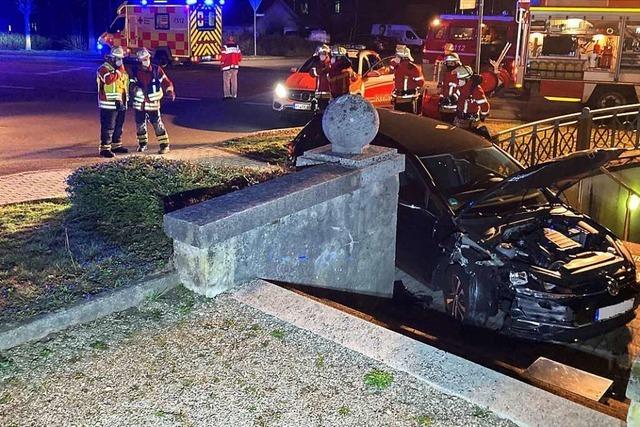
(409,35)
(414,191)
(365,65)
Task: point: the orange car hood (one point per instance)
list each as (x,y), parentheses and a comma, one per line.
(300,81)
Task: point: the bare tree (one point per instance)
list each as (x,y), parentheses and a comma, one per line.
(91,36)
(26,8)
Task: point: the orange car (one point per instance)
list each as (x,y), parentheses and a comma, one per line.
(374,82)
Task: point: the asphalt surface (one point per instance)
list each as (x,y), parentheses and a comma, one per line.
(49,117)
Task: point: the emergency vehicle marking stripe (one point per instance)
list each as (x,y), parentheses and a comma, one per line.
(208,42)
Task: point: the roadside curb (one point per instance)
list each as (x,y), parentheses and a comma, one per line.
(85,311)
(506,396)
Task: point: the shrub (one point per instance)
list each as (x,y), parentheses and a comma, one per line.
(125,199)
(276,44)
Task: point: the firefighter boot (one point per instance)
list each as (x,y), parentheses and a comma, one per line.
(164,149)
(107,153)
(118,148)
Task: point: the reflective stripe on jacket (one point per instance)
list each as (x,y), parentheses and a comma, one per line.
(230,57)
(150,85)
(113,86)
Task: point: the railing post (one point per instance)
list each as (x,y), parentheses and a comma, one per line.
(533,146)
(637,130)
(583,139)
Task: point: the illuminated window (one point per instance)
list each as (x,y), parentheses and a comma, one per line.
(304,8)
(337,6)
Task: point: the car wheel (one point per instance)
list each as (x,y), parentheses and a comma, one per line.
(609,98)
(469,302)
(457,293)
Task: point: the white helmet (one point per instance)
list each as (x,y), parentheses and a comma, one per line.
(403,52)
(452,57)
(143,54)
(337,50)
(464,72)
(323,50)
(117,52)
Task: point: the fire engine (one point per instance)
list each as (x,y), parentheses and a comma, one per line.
(174,31)
(584,51)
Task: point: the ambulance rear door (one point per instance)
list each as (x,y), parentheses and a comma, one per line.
(205,31)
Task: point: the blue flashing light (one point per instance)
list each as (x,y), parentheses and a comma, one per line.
(208,2)
(221,2)
(144,2)
(99,46)
(190,2)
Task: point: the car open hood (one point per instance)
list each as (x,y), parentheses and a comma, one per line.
(560,173)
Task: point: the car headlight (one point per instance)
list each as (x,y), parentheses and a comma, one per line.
(281,91)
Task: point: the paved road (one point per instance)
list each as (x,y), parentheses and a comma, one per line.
(48,113)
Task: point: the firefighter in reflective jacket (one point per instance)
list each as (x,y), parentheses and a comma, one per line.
(150,83)
(449,87)
(473,105)
(320,71)
(230,58)
(408,81)
(113,92)
(340,75)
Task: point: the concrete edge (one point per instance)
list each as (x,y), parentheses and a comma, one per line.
(517,401)
(85,311)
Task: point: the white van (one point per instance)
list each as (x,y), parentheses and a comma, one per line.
(404,34)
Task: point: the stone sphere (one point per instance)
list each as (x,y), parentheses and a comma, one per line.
(350,122)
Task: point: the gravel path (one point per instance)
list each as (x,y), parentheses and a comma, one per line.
(183,360)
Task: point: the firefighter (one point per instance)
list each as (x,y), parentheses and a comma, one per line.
(408,81)
(473,105)
(448,104)
(150,84)
(319,70)
(113,93)
(340,74)
(230,63)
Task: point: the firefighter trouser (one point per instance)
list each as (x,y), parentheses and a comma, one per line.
(230,83)
(111,124)
(158,127)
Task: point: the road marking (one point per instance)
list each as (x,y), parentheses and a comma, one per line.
(262,104)
(17,87)
(186,98)
(83,91)
(66,70)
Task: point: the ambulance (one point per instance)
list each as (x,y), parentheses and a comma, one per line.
(174,31)
(582,51)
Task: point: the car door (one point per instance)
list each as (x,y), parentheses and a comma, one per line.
(417,250)
(378,82)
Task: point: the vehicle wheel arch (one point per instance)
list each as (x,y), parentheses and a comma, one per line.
(162,56)
(620,94)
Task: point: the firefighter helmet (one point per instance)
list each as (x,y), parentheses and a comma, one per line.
(449,48)
(338,51)
(323,50)
(403,52)
(464,72)
(452,59)
(117,52)
(143,54)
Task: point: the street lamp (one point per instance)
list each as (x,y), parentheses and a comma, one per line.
(633,203)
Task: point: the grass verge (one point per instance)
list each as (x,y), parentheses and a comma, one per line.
(270,147)
(108,234)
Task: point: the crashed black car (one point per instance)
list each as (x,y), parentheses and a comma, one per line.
(497,239)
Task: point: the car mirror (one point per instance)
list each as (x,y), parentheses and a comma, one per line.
(373,73)
(293,70)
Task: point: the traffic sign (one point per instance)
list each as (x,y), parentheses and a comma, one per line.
(467,4)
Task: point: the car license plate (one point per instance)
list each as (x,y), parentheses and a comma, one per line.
(608,312)
(302,106)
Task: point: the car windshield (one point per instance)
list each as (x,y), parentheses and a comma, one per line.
(306,67)
(462,177)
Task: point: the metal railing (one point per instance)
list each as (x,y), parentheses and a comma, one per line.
(536,142)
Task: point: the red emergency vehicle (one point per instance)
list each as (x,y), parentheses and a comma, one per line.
(584,51)
(174,31)
(374,81)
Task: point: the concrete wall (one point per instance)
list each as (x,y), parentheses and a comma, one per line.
(332,225)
